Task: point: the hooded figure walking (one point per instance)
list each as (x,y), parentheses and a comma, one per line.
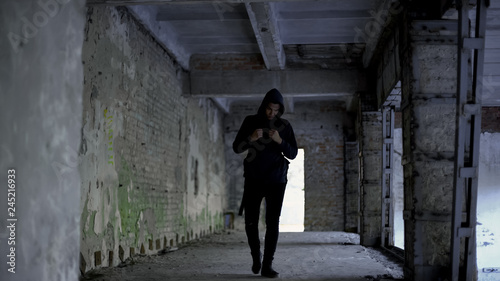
(268,138)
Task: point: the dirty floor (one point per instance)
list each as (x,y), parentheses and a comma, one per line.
(225,256)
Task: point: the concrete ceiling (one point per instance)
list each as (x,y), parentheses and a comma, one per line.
(491,81)
(326,35)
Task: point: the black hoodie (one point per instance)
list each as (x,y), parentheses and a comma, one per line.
(265,161)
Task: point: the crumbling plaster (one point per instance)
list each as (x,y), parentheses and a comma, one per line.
(150,158)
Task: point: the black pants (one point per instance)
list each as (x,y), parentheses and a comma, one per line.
(253,194)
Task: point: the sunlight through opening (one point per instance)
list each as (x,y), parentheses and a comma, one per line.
(292,213)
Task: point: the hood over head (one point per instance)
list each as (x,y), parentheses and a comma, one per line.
(273,96)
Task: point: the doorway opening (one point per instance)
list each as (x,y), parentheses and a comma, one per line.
(292,212)
(397,185)
(396,180)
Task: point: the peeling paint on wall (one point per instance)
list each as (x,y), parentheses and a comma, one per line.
(138,149)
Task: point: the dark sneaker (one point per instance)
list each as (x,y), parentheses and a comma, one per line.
(256,263)
(268,271)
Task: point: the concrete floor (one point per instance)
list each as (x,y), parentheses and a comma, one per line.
(225,256)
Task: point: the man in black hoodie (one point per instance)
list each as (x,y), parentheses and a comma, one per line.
(268,138)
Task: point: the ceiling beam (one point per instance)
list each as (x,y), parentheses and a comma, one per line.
(324,14)
(205,12)
(163,32)
(265,27)
(223,104)
(371,32)
(340,83)
(163,2)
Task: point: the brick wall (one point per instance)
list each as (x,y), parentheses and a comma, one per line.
(318,129)
(320,133)
(151,161)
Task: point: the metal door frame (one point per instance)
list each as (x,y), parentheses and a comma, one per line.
(387,229)
(468,130)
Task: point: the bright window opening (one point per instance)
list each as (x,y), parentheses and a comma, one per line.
(488,210)
(398,190)
(292,213)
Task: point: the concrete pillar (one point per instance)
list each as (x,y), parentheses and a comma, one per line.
(351,170)
(371,177)
(429,61)
(41,85)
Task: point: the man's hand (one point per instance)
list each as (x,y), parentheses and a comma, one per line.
(257,134)
(275,136)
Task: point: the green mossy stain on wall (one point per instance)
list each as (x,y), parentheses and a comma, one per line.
(181,221)
(202,217)
(217,220)
(202,221)
(129,211)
